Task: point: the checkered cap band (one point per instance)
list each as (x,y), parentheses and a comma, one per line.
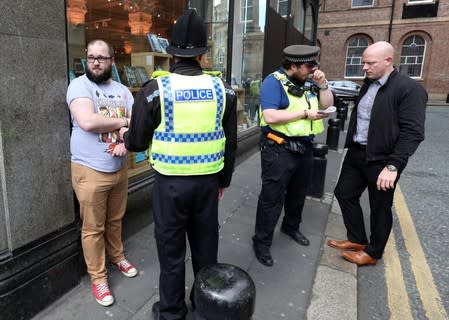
(303,59)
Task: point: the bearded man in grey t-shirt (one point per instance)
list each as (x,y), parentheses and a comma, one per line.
(99,107)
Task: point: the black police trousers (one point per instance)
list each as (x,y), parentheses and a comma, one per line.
(183,205)
(285,180)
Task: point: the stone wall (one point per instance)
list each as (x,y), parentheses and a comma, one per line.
(35,132)
(39,247)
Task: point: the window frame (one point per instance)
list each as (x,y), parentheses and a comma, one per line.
(419,1)
(345,76)
(242,10)
(423,56)
(279,6)
(362,6)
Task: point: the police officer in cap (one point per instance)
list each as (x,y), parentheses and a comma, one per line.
(290,100)
(188,118)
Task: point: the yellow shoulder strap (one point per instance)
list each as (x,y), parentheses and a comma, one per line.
(159,73)
(213,73)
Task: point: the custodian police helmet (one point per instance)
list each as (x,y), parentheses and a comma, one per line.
(189,37)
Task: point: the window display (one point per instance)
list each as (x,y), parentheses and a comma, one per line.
(137,30)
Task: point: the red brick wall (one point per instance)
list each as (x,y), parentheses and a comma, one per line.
(338,22)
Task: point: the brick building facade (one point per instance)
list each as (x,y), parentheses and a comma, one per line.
(417,29)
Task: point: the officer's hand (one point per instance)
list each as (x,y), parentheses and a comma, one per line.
(318,77)
(221,193)
(315,115)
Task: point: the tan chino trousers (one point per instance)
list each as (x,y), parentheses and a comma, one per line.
(102,197)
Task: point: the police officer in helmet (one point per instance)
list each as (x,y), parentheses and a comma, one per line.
(290,100)
(188,118)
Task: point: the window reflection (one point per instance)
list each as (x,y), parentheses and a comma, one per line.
(139,31)
(282,7)
(126,25)
(309,23)
(247,57)
(298,15)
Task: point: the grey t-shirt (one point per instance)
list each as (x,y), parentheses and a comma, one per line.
(112,100)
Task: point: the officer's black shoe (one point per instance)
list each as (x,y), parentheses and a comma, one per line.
(297,236)
(263,255)
(155,311)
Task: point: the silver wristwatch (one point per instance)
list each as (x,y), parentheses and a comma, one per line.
(323,86)
(391,168)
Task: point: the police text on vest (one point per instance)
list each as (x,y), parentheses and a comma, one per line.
(188,95)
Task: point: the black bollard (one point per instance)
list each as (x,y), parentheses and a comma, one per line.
(338,102)
(316,188)
(345,107)
(224,292)
(333,133)
(341,117)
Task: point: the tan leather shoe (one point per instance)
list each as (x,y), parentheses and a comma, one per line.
(360,258)
(345,245)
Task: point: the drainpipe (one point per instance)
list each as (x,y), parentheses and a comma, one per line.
(390,27)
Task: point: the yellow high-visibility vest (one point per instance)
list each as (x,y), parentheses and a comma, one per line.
(300,127)
(190,139)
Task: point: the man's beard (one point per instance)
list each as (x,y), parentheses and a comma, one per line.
(99,78)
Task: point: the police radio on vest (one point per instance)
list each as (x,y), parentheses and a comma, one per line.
(193,95)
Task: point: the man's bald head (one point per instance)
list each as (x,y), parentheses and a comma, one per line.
(381,48)
(378,60)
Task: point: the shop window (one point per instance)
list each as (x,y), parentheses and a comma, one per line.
(354,52)
(138,31)
(247,61)
(362,3)
(412,56)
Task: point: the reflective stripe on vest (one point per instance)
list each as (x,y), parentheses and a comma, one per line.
(300,127)
(190,139)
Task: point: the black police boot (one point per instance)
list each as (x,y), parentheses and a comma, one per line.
(155,311)
(262,254)
(297,236)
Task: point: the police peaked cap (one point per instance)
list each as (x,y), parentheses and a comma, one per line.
(189,38)
(299,54)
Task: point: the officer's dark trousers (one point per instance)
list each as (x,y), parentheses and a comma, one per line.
(285,180)
(356,175)
(183,205)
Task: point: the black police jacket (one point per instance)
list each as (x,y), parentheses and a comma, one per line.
(396,123)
